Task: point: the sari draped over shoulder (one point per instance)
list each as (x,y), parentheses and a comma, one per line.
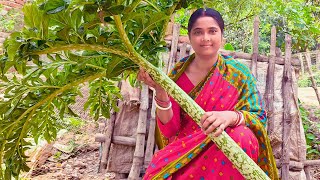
(186,152)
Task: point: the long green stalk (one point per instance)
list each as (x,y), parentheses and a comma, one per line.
(247,167)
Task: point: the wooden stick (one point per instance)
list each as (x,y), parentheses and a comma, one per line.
(287,82)
(106,145)
(174,46)
(269,95)
(123,140)
(294,165)
(151,139)
(318,60)
(138,156)
(255,46)
(299,165)
(307,170)
(314,84)
(301,62)
(183,51)
(312,163)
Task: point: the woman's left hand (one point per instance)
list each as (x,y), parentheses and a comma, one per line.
(217,120)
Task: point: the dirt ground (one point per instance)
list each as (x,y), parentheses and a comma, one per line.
(73,156)
(82,162)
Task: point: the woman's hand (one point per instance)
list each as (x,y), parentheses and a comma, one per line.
(145,77)
(217,120)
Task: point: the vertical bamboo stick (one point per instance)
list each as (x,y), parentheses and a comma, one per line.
(286,87)
(151,140)
(106,145)
(174,46)
(307,170)
(301,62)
(318,60)
(314,84)
(269,95)
(138,157)
(255,46)
(183,51)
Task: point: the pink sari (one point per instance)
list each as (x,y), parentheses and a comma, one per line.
(190,154)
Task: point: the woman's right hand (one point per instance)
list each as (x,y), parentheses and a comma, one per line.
(146,78)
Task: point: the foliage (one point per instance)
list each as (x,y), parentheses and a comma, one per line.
(10,20)
(92,41)
(312,133)
(305,81)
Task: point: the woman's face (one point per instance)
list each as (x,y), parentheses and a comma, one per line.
(205,36)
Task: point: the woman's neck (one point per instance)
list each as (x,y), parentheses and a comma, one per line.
(204,63)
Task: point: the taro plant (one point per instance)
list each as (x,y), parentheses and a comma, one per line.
(95,41)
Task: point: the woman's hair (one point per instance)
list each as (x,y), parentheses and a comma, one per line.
(208,12)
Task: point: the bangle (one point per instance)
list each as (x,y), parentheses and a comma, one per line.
(160,102)
(241,118)
(238,120)
(163,108)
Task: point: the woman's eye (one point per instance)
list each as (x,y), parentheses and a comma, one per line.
(197,32)
(213,31)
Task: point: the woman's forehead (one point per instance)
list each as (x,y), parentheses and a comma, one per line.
(205,23)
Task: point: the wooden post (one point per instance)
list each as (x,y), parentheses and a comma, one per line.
(301,62)
(174,46)
(269,95)
(314,84)
(255,46)
(151,140)
(307,170)
(318,60)
(183,51)
(286,123)
(107,143)
(138,157)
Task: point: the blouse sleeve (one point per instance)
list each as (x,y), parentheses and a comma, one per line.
(173,125)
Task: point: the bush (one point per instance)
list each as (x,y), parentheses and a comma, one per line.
(312,133)
(305,81)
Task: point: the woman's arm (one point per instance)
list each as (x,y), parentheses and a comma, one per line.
(168,115)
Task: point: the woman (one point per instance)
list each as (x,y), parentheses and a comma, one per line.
(226,90)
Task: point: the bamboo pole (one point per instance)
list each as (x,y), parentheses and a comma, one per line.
(318,60)
(314,84)
(174,46)
(107,143)
(183,51)
(301,62)
(308,173)
(269,95)
(286,88)
(138,157)
(254,61)
(151,139)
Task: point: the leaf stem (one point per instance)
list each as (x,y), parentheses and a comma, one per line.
(88,47)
